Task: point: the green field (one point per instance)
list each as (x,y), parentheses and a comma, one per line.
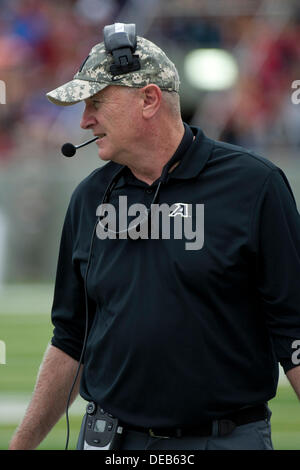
(26,330)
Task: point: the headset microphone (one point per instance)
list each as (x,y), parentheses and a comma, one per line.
(69,150)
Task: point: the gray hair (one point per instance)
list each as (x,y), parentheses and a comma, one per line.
(172,101)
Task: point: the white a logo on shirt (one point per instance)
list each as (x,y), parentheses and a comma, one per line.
(180,209)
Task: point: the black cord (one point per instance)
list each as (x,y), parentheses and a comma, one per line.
(108,190)
(85,335)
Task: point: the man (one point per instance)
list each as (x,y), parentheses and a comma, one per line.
(187,320)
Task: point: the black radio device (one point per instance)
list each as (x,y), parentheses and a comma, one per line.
(102,430)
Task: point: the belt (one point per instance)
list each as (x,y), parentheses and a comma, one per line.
(220,427)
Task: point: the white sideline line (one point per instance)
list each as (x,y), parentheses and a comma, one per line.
(26,299)
(12,408)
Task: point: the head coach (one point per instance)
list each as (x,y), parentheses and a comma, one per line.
(174,332)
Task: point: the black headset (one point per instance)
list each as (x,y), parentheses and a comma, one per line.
(120,41)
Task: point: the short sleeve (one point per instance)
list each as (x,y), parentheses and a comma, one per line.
(68,309)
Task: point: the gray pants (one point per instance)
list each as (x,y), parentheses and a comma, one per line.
(252,436)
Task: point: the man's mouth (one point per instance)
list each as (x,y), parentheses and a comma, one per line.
(100,136)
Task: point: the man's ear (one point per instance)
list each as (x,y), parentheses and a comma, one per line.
(152,96)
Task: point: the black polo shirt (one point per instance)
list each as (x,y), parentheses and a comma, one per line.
(179,336)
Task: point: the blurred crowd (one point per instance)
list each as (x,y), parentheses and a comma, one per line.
(42,43)
(257,111)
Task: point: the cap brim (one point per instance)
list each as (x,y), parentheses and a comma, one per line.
(74,91)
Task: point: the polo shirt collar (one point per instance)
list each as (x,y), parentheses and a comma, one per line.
(196,157)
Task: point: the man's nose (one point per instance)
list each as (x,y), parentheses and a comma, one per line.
(88,120)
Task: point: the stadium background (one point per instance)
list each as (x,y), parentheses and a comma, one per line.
(42,43)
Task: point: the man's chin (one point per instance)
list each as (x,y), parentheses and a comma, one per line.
(105,156)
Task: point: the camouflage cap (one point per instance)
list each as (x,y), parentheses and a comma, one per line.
(94,74)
